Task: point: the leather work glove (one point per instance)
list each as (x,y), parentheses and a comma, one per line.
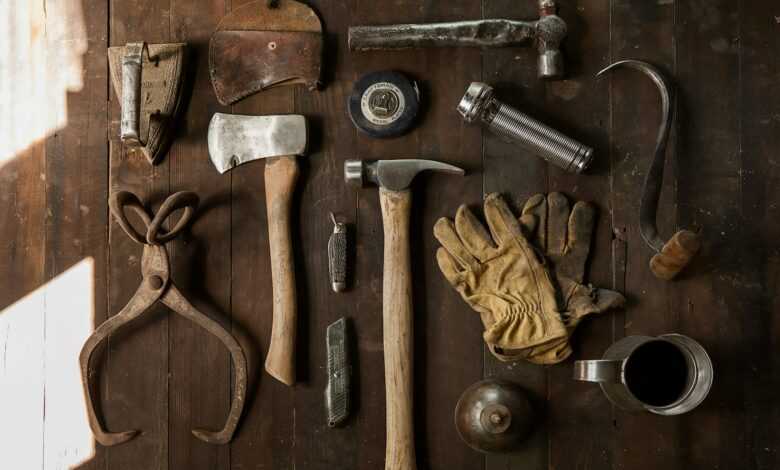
(564,236)
(501,277)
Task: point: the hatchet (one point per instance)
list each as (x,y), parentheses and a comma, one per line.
(234,140)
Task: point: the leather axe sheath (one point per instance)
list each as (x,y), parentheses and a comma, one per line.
(265,44)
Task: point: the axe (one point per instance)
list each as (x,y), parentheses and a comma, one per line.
(234,140)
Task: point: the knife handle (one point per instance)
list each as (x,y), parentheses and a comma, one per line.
(337,391)
(281,173)
(337,256)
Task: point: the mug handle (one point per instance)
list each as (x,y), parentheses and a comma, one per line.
(598,370)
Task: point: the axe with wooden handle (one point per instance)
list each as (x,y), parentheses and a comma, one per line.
(234,140)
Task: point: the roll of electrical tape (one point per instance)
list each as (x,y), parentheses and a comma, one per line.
(384,104)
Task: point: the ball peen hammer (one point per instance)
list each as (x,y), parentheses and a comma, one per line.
(394,178)
(547,33)
(234,140)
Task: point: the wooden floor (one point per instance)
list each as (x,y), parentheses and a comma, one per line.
(167,376)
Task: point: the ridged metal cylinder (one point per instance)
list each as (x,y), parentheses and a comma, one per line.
(515,126)
(558,149)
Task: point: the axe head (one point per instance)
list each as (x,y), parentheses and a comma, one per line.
(235,139)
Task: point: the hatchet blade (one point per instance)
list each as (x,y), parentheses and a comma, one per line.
(235,139)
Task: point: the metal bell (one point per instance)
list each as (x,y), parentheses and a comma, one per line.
(493,416)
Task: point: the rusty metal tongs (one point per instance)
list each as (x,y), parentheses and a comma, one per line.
(157,286)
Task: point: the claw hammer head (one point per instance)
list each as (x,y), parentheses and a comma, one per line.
(395,175)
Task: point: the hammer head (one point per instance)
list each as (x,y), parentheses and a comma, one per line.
(395,175)
(235,139)
(551,30)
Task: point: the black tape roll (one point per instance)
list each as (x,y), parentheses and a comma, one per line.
(384,104)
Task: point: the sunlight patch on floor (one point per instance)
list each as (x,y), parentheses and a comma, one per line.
(41,48)
(44,423)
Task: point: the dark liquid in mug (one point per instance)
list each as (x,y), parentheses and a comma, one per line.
(657,373)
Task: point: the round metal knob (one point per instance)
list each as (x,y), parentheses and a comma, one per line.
(473,103)
(353,172)
(493,416)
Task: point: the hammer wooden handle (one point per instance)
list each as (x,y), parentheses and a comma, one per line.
(397,329)
(281,173)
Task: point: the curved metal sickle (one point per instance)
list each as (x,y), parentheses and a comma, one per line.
(673,255)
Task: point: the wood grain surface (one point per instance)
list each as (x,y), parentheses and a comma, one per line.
(166,376)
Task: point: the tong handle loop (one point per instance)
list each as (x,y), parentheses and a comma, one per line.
(186,200)
(117,202)
(120,200)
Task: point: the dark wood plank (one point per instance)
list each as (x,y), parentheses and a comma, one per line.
(369,240)
(199,367)
(517,174)
(76,236)
(755,265)
(640,30)
(581,433)
(266,436)
(136,394)
(323,191)
(448,343)
(446,347)
(22,322)
(713,299)
(369,236)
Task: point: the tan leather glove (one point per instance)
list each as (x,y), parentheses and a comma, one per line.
(564,236)
(501,277)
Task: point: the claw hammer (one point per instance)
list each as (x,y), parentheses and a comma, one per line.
(393,178)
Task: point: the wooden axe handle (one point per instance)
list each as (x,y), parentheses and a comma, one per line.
(397,329)
(281,173)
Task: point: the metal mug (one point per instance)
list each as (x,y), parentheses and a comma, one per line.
(629,364)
